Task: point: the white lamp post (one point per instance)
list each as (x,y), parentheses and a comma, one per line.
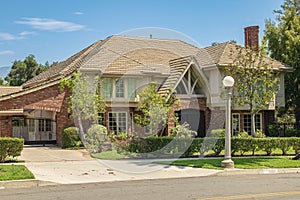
(228,82)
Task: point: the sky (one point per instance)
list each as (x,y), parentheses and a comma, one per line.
(53,30)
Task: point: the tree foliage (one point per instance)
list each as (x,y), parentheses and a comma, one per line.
(85,101)
(256,83)
(154,109)
(283,43)
(22,71)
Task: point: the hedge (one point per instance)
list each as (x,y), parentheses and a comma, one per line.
(70,138)
(171,146)
(10,147)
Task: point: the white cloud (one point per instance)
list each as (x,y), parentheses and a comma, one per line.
(77,13)
(51,24)
(24,33)
(7,36)
(5,52)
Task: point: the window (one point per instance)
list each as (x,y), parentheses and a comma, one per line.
(235,123)
(119,87)
(107,87)
(247,122)
(101,119)
(31,125)
(117,122)
(48,125)
(131,88)
(41,125)
(16,121)
(45,125)
(189,84)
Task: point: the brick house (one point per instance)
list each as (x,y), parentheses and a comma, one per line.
(37,110)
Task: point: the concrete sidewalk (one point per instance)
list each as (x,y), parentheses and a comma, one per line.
(53,165)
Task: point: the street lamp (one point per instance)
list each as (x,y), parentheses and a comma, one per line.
(228,82)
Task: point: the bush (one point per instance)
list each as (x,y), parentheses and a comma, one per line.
(70,138)
(291,132)
(274,130)
(95,137)
(183,131)
(10,147)
(259,134)
(189,146)
(217,133)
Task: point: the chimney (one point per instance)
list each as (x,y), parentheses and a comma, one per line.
(251,37)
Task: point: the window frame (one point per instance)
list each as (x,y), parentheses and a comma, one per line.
(260,122)
(117,121)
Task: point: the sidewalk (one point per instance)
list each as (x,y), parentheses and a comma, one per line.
(53,165)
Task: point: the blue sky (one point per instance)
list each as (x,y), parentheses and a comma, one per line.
(53,30)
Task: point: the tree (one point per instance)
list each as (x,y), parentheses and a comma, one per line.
(256,83)
(22,71)
(155,109)
(85,101)
(283,43)
(1,81)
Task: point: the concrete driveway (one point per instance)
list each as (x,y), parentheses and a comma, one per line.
(56,165)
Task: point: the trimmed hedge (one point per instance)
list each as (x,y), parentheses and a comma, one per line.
(190,146)
(70,138)
(10,147)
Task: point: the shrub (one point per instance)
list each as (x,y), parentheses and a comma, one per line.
(183,131)
(291,132)
(284,144)
(217,133)
(259,134)
(70,138)
(296,144)
(10,147)
(243,134)
(243,144)
(274,130)
(95,137)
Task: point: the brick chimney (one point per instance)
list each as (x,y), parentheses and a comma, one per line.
(251,37)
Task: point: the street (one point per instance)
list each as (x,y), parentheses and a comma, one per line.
(266,187)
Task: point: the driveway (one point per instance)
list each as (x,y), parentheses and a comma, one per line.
(56,165)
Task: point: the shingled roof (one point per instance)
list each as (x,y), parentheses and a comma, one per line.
(177,67)
(224,53)
(119,55)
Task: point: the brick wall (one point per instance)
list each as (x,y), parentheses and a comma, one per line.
(49,98)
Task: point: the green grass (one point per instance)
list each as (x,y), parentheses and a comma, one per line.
(242,163)
(14,172)
(109,155)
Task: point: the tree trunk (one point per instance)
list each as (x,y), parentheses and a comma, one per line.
(253,124)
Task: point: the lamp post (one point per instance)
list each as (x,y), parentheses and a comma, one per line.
(228,82)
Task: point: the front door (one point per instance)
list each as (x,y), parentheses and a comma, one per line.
(195,118)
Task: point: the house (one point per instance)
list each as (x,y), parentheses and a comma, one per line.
(37,111)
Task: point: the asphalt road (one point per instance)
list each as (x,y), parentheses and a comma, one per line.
(261,187)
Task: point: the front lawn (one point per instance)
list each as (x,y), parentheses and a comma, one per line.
(109,155)
(14,172)
(242,163)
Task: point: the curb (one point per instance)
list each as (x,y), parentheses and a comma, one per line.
(231,172)
(24,183)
